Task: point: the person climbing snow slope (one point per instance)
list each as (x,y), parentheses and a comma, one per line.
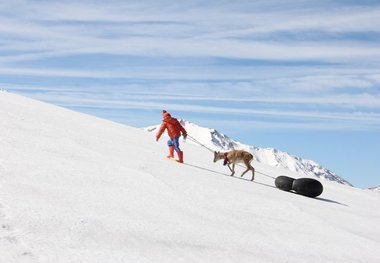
(174,129)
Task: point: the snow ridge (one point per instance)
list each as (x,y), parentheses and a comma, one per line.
(375,189)
(218,141)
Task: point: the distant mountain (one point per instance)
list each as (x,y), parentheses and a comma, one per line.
(375,189)
(217,141)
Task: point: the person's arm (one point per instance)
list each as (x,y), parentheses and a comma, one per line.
(184,132)
(161,131)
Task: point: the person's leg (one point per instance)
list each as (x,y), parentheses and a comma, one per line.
(175,143)
(177,149)
(171,149)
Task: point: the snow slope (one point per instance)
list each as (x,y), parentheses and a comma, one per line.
(75,188)
(217,141)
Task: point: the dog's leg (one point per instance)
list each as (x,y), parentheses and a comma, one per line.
(245,172)
(232,169)
(253,173)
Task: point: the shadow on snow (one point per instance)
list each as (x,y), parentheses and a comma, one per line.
(240,178)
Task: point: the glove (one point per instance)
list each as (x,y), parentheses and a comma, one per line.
(184,136)
(157,138)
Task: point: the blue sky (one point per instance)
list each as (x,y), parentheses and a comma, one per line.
(300,76)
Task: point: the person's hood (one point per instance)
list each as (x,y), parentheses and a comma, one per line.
(166,115)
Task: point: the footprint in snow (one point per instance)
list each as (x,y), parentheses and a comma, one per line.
(11,247)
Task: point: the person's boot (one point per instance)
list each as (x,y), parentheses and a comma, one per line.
(180,157)
(171,152)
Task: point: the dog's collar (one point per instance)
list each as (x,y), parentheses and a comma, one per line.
(226,161)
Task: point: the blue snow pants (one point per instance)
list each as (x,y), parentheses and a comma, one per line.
(175,143)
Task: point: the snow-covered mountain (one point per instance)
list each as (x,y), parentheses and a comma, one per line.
(76,188)
(218,141)
(375,189)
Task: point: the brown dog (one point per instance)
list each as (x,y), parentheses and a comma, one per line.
(236,156)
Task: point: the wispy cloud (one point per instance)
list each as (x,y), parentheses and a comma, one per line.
(301,60)
(149,29)
(280,116)
(110,97)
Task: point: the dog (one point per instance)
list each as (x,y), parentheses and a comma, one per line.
(236,156)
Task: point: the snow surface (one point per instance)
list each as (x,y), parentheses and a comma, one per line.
(75,188)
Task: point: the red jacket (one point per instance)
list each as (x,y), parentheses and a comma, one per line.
(172,125)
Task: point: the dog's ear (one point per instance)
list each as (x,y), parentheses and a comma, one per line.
(215,156)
